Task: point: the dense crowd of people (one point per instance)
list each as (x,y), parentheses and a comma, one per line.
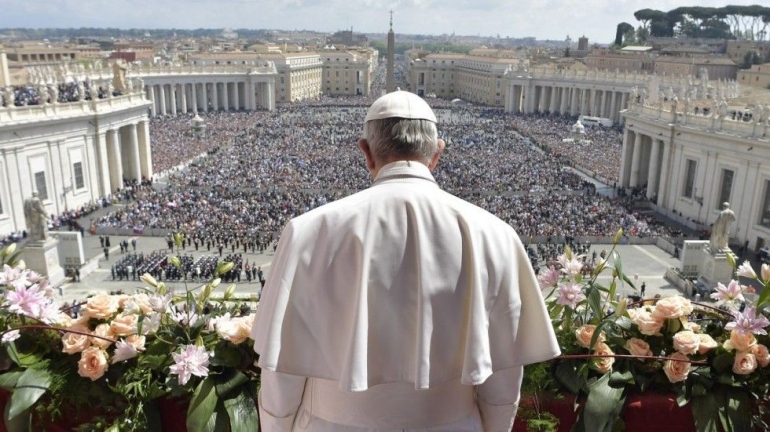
(257,170)
(28,95)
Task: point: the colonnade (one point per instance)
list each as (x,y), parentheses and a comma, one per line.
(643,162)
(123,154)
(566,100)
(172,98)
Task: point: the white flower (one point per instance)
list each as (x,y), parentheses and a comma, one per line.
(159,303)
(193,360)
(131,307)
(745,270)
(123,351)
(11,336)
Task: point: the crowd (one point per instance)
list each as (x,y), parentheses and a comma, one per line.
(257,170)
(62,93)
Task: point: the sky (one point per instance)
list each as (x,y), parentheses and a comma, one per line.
(543,19)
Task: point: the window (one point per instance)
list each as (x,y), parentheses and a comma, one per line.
(689,179)
(77,169)
(764,219)
(40,185)
(726,188)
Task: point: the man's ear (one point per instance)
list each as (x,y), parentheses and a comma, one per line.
(440,145)
(364,146)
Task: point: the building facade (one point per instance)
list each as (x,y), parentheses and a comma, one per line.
(71,154)
(690,164)
(757,76)
(181,89)
(348,72)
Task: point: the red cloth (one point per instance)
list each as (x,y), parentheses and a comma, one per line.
(643,412)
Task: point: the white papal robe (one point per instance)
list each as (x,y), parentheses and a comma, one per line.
(413,307)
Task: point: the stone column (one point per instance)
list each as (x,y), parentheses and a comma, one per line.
(194,97)
(173,98)
(634,181)
(554,93)
(215,96)
(613,111)
(270,96)
(162,89)
(116,161)
(183,95)
(237,96)
(103,164)
(206,94)
(249,100)
(573,105)
(145,151)
(226,92)
(151,95)
(604,102)
(133,153)
(652,180)
(663,189)
(564,93)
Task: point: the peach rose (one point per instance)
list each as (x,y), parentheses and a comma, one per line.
(686,342)
(124,324)
(672,307)
(603,364)
(638,347)
(707,343)
(693,327)
(761,353)
(647,323)
(137,341)
(740,341)
(585,333)
(143,301)
(73,343)
(745,363)
(100,306)
(92,364)
(677,368)
(103,330)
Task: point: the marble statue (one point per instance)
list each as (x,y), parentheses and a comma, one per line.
(722,108)
(129,85)
(35,217)
(119,76)
(54,92)
(720,231)
(757,112)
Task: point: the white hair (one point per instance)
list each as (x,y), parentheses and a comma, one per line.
(401,137)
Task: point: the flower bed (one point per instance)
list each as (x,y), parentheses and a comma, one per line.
(112,365)
(711,359)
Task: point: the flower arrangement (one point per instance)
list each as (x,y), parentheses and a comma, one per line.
(124,354)
(713,357)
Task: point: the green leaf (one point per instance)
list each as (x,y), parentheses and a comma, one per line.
(232,383)
(763,296)
(705,410)
(219,421)
(32,384)
(618,378)
(242,411)
(569,376)
(18,423)
(202,406)
(598,332)
(603,406)
(595,301)
(738,409)
(8,379)
(723,362)
(618,264)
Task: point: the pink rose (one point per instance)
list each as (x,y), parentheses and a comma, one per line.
(124,324)
(603,364)
(672,307)
(100,306)
(647,323)
(584,335)
(740,341)
(73,343)
(677,368)
(707,343)
(761,353)
(638,347)
(745,363)
(92,364)
(686,342)
(103,330)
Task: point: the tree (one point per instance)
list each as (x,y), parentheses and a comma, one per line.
(621,31)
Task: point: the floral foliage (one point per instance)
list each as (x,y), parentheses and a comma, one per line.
(713,356)
(124,353)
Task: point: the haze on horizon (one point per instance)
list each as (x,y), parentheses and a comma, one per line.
(544,19)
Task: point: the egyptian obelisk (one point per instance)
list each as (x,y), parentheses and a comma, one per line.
(390,82)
